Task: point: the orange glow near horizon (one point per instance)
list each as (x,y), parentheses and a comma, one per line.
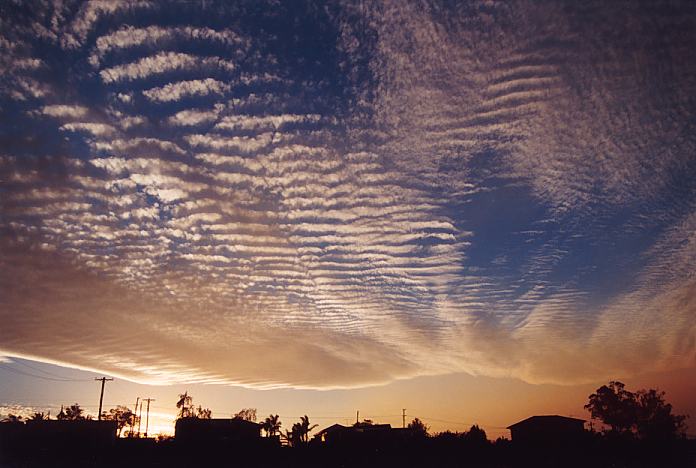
(451,402)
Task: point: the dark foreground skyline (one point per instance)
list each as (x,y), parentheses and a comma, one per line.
(638,429)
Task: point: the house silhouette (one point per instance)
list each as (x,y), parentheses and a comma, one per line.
(545,429)
(363,434)
(233,431)
(43,439)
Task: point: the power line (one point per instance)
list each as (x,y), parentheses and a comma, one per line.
(462,423)
(344,417)
(51,374)
(52,379)
(287,416)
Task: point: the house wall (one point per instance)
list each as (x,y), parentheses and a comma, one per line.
(194,430)
(547,431)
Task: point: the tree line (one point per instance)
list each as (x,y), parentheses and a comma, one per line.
(644,414)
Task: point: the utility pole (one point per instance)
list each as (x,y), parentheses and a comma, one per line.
(403,417)
(147,414)
(357,417)
(135,416)
(101,396)
(140,417)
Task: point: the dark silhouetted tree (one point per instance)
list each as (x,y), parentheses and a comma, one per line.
(203,413)
(306,428)
(644,413)
(72,413)
(448,436)
(476,436)
(185,405)
(271,425)
(418,427)
(614,406)
(123,417)
(188,410)
(39,417)
(12,418)
(655,418)
(247,414)
(292,437)
(299,435)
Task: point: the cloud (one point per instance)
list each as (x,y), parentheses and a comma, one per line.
(59,110)
(22,411)
(28,88)
(214,141)
(133,121)
(129,36)
(535,98)
(162,63)
(182,89)
(90,13)
(191,117)
(95,128)
(492,189)
(328,360)
(126,98)
(248,122)
(144,144)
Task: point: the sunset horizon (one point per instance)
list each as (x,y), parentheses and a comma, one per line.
(465,403)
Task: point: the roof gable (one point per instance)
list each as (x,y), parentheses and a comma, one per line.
(542,419)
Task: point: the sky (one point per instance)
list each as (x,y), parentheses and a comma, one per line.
(315,206)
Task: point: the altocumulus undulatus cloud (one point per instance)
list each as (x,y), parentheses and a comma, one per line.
(364,193)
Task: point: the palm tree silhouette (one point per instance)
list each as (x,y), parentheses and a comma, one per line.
(184,404)
(305,428)
(39,417)
(289,437)
(271,425)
